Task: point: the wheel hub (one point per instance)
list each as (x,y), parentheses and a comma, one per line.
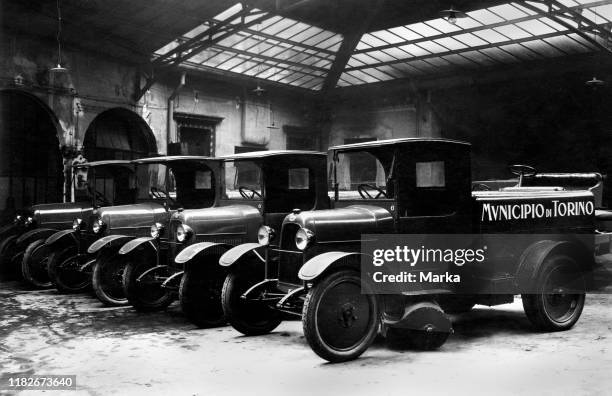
(347,315)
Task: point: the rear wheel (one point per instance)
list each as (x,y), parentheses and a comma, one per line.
(145,293)
(106,278)
(250,317)
(560,300)
(7,252)
(340,322)
(200,296)
(65,271)
(34,264)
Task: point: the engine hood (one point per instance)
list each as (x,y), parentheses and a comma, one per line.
(234,219)
(344,224)
(59,215)
(122,219)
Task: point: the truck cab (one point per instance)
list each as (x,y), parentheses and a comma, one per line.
(256,189)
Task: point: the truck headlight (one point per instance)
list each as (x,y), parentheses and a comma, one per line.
(98,226)
(28,221)
(77,224)
(156,230)
(183,233)
(18,219)
(303,238)
(265,234)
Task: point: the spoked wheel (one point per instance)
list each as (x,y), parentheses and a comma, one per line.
(340,322)
(7,252)
(200,296)
(250,317)
(65,273)
(107,280)
(145,291)
(34,264)
(559,304)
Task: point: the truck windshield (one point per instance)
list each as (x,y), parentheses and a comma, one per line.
(242,180)
(104,185)
(155,182)
(360,175)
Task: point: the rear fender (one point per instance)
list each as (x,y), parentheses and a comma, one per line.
(148,242)
(63,237)
(534,256)
(324,262)
(30,236)
(109,241)
(192,253)
(234,255)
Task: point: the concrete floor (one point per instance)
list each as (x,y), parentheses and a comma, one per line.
(119,351)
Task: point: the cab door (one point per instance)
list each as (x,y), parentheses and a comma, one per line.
(433,191)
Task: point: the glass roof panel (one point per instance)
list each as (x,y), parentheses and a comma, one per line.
(536,27)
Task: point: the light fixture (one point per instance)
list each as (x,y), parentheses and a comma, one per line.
(595,83)
(451,15)
(59,68)
(258,90)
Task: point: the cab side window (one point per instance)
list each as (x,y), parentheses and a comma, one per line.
(424,190)
(288,189)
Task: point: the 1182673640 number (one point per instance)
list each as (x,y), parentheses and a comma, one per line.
(39,382)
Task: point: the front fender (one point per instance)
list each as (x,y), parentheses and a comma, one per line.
(7,229)
(235,253)
(30,236)
(314,267)
(134,243)
(190,252)
(61,236)
(106,241)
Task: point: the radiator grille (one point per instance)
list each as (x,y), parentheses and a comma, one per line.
(290,258)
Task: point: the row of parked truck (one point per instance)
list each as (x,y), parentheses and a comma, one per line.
(257,238)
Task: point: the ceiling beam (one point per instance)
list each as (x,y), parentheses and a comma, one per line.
(349,43)
(583,22)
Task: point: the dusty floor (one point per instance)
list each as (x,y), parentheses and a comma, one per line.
(119,351)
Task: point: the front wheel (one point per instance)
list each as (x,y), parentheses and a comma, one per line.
(340,322)
(200,296)
(559,303)
(250,317)
(65,273)
(34,264)
(146,293)
(106,278)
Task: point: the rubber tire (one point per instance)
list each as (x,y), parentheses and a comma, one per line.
(56,259)
(132,271)
(456,303)
(99,287)
(534,304)
(235,284)
(33,252)
(7,247)
(310,325)
(200,306)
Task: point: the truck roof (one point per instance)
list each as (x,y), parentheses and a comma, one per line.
(101,163)
(173,158)
(393,142)
(272,153)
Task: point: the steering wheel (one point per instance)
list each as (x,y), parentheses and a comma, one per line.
(244,192)
(157,193)
(522,171)
(365,194)
(480,187)
(101,198)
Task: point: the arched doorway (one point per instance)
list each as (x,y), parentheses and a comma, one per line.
(30,158)
(118,134)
